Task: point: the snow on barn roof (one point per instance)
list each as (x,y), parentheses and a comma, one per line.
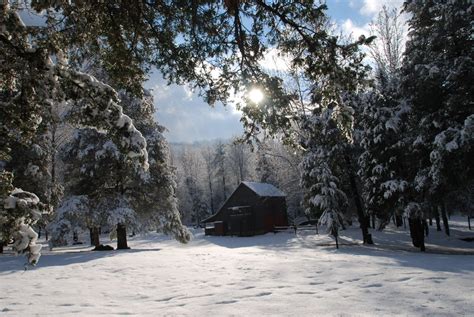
(264,189)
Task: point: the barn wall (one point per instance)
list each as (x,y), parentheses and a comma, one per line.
(266,212)
(274,212)
(241,225)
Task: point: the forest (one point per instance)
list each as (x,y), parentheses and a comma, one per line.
(350,141)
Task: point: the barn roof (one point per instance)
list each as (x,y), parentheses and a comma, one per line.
(264,189)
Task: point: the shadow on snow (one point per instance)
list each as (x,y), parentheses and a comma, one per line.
(10,263)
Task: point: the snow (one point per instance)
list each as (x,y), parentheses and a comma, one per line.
(271,275)
(235,208)
(27,238)
(264,189)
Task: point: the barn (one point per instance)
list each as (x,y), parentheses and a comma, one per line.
(253,208)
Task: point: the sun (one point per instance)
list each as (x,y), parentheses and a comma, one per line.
(255,95)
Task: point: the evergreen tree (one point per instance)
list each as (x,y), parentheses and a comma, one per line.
(31,82)
(19,211)
(325,146)
(383,160)
(73,214)
(154,197)
(97,170)
(436,79)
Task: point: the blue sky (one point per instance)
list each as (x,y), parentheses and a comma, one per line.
(188,119)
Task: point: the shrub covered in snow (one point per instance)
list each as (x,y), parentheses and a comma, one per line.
(19,211)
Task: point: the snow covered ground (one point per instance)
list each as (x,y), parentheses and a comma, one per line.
(271,275)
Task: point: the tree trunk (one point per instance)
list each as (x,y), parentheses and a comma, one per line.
(426,227)
(383,223)
(211,192)
(398,220)
(122,237)
(46,234)
(417,232)
(362,217)
(438,221)
(94,235)
(445,219)
(223,184)
(1,246)
(335,233)
(341,221)
(91,237)
(373,221)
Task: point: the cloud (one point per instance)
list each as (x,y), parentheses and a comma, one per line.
(187,117)
(350,28)
(372,7)
(275,60)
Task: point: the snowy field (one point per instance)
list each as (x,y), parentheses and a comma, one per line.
(271,275)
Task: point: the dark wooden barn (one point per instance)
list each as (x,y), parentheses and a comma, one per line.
(253,208)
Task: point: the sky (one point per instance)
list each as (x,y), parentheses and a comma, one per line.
(189,119)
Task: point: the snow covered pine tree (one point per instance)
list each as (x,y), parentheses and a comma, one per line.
(29,79)
(437,78)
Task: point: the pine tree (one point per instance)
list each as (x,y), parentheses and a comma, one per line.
(34,163)
(19,211)
(154,197)
(383,160)
(31,81)
(325,146)
(98,171)
(436,80)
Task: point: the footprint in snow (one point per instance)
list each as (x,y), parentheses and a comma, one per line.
(227,302)
(372,285)
(316,283)
(166,299)
(354,280)
(434,278)
(374,274)
(305,293)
